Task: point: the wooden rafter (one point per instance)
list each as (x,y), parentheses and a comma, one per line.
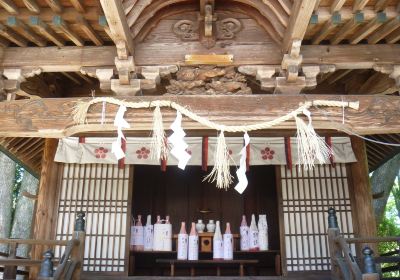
(385,30)
(327,28)
(43,29)
(368,28)
(359,5)
(62,26)
(347,28)
(277,9)
(25,31)
(55,5)
(337,5)
(394,37)
(117,23)
(9,6)
(89,31)
(12,36)
(136,10)
(68,14)
(381,5)
(286,5)
(79,6)
(299,19)
(32,6)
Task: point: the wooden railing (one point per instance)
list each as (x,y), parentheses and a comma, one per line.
(344,264)
(68,267)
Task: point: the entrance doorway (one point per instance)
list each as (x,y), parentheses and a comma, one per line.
(184,196)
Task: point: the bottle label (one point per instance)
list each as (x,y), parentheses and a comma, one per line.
(263,239)
(193,252)
(254,245)
(218,249)
(228,247)
(137,236)
(148,238)
(182,246)
(244,238)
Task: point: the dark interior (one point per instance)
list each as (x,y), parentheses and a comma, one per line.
(186,197)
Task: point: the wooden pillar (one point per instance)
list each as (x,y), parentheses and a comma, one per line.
(363,213)
(45,217)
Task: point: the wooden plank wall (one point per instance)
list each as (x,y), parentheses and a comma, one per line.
(306,197)
(102,192)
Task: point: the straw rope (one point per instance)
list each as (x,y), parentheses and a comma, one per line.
(81,109)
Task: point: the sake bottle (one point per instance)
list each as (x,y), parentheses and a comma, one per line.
(228,243)
(263,232)
(244,235)
(183,243)
(193,250)
(218,244)
(158,219)
(167,220)
(148,235)
(138,235)
(254,245)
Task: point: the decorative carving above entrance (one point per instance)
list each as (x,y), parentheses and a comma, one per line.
(187,30)
(208,80)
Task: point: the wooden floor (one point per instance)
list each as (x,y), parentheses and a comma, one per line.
(293,276)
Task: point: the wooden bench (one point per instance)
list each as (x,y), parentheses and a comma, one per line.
(216,263)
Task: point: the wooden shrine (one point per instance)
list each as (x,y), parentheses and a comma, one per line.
(233,63)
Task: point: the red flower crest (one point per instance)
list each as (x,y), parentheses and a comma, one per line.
(267,153)
(101,152)
(143,153)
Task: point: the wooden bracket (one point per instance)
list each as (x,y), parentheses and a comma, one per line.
(311,72)
(155,73)
(392,70)
(104,76)
(125,67)
(292,61)
(133,88)
(263,74)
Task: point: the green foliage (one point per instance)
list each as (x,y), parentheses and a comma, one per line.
(390,226)
(19,173)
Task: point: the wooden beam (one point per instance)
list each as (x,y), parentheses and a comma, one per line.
(369,28)
(12,36)
(116,19)
(25,31)
(32,6)
(286,5)
(337,5)
(42,28)
(72,78)
(327,28)
(55,5)
(334,78)
(60,24)
(377,114)
(359,5)
(384,31)
(299,19)
(89,31)
(348,28)
(9,6)
(78,5)
(45,216)
(136,10)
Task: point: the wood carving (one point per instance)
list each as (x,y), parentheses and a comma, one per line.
(186,30)
(208,80)
(227,28)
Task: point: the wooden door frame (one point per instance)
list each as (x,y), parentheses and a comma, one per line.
(282,249)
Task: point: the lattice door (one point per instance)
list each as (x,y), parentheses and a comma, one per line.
(306,197)
(102,192)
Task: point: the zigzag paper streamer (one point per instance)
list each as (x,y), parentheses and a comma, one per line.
(179,145)
(241,172)
(120,123)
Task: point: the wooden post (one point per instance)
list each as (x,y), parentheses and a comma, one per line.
(10,272)
(333,232)
(47,200)
(78,252)
(363,214)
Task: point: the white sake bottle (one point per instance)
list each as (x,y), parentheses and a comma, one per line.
(183,240)
(263,232)
(244,235)
(228,243)
(218,243)
(148,235)
(193,250)
(254,245)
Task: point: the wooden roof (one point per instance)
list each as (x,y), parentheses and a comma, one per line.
(67,48)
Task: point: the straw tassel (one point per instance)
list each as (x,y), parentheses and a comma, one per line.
(310,146)
(221,170)
(158,145)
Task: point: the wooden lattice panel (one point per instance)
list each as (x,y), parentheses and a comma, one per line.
(306,197)
(101,191)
